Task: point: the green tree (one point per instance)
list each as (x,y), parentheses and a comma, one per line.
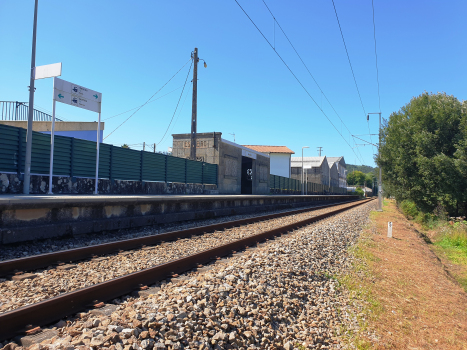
(125,146)
(369,179)
(423,152)
(355,178)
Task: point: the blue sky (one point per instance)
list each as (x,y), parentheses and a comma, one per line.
(129,49)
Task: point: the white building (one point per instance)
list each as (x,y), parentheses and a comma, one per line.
(341,170)
(279,157)
(316,169)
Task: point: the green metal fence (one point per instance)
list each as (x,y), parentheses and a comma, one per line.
(77,158)
(284,183)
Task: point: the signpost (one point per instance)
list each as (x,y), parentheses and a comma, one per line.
(78,96)
(48,71)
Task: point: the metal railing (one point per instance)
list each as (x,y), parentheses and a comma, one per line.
(18,111)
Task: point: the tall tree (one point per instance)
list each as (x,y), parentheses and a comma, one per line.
(356,178)
(421,152)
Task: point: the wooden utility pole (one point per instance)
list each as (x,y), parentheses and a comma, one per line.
(194,106)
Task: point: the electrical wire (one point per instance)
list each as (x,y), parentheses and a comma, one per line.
(148,100)
(309,72)
(348,57)
(186,79)
(296,78)
(376,55)
(181,109)
(142,105)
(351,69)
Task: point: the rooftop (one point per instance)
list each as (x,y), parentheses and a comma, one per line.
(270,149)
(307,161)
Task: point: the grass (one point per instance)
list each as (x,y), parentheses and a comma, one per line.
(358,283)
(451,242)
(449,238)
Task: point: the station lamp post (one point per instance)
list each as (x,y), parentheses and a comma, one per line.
(303,169)
(380,182)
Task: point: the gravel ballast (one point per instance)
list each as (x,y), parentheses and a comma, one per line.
(280,295)
(25,249)
(53,281)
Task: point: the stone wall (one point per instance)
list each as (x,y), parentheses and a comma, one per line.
(13,184)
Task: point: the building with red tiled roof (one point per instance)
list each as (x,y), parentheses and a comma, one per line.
(279,157)
(271,149)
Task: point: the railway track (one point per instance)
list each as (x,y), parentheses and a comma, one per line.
(50,310)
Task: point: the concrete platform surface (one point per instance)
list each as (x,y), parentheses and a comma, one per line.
(13,200)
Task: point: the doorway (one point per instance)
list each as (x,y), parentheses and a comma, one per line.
(247,175)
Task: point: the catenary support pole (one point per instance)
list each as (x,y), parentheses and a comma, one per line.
(52,148)
(27,159)
(194,106)
(97,153)
(380,184)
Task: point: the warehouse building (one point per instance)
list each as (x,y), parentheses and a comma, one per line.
(241,170)
(316,169)
(341,170)
(280,157)
(321,170)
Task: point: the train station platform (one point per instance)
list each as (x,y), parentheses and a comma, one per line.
(31,217)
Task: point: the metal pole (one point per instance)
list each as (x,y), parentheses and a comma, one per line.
(97,154)
(306,181)
(52,147)
(27,160)
(144,146)
(194,105)
(380,184)
(154,147)
(302,170)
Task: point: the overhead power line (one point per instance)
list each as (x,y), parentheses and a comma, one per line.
(351,68)
(148,100)
(186,79)
(376,55)
(309,72)
(293,74)
(116,115)
(348,57)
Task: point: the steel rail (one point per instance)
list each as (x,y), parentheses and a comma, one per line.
(35,262)
(50,310)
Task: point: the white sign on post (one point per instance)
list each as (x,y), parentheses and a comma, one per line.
(389,229)
(78,96)
(48,71)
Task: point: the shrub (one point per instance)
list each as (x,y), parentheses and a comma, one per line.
(359,191)
(409,209)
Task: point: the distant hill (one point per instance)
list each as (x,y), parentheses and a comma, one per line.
(363,168)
